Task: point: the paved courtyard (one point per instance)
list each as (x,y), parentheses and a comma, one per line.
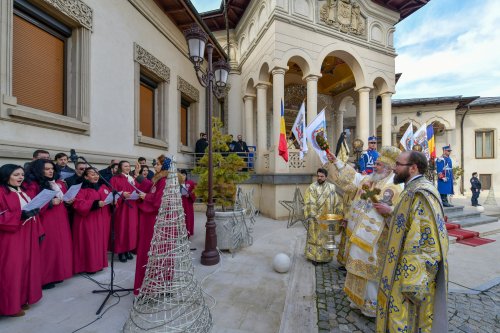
(470,311)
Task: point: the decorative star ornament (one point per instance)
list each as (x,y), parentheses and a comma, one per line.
(295,209)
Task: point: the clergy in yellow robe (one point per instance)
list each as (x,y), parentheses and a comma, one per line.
(320,198)
(413,287)
(366,228)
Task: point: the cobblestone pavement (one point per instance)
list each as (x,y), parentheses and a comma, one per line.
(469,313)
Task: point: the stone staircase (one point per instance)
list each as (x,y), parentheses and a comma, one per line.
(467,218)
(475,223)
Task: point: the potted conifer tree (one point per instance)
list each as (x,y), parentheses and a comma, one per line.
(227,173)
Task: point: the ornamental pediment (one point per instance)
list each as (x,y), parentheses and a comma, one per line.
(344,15)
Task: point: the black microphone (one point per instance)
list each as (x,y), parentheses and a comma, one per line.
(154,162)
(73,156)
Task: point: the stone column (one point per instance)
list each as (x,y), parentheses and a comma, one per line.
(362,121)
(261,123)
(278,164)
(312,97)
(278,97)
(395,142)
(386,118)
(373,114)
(248,100)
(339,124)
(235,105)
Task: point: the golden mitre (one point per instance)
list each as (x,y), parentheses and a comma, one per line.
(388,155)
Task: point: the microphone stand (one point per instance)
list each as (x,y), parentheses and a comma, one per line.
(111,290)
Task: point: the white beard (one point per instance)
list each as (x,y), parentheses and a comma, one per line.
(376,177)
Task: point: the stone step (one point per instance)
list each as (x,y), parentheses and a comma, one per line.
(464,215)
(452,210)
(475,221)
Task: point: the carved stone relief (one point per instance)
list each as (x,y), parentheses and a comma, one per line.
(151,63)
(76,9)
(344,15)
(187,89)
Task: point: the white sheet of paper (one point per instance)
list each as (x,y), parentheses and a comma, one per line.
(65,174)
(40,200)
(109,198)
(133,196)
(72,192)
(184,190)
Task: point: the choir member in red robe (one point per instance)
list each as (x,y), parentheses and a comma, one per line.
(188,199)
(91,222)
(20,233)
(57,247)
(148,209)
(126,214)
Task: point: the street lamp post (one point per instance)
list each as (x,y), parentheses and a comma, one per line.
(215,79)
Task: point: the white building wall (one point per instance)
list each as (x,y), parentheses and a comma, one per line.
(117,25)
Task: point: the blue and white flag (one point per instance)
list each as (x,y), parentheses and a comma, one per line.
(315,128)
(407,139)
(299,130)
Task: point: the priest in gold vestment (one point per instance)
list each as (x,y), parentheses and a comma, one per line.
(413,287)
(367,228)
(320,198)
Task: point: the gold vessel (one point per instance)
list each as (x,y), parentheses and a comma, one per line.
(331,224)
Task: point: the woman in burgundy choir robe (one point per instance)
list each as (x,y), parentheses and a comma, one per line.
(148,209)
(90,224)
(57,247)
(126,215)
(20,233)
(188,199)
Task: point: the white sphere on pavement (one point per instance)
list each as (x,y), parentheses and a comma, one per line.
(480,209)
(281,263)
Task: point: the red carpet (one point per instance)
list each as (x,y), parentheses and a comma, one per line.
(466,237)
(476,241)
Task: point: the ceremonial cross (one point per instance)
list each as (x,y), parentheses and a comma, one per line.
(370,194)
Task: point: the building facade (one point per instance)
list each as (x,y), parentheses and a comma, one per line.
(112,79)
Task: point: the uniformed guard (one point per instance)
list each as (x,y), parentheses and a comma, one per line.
(444,168)
(369,157)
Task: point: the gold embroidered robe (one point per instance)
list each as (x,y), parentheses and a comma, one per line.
(318,200)
(366,234)
(413,287)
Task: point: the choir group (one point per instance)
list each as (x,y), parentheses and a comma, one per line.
(41,247)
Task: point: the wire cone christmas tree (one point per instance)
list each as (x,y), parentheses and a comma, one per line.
(490,199)
(170,298)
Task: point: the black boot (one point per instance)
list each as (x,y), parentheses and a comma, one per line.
(129,255)
(122,257)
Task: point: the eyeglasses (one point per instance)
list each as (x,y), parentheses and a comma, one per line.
(404,164)
(372,142)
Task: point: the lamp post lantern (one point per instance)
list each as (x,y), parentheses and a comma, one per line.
(214,79)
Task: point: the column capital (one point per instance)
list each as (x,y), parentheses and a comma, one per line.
(386,94)
(263,85)
(248,97)
(312,77)
(279,70)
(363,89)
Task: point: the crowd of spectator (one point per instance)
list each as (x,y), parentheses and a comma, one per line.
(41,247)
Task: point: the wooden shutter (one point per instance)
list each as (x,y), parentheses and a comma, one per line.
(37,67)
(184,124)
(146,122)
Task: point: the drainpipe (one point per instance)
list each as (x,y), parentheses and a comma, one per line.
(462,148)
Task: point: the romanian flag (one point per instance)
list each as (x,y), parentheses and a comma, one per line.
(431,141)
(283,147)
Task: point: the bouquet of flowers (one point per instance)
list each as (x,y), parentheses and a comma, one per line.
(322,143)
